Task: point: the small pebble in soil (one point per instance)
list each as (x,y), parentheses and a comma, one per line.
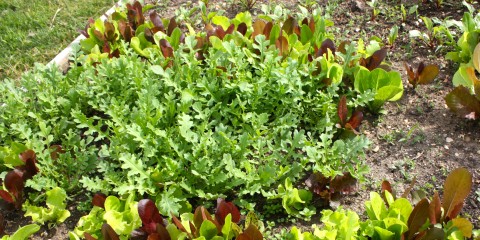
(446,147)
(449,140)
(457,154)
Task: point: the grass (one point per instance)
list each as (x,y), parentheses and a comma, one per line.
(36,31)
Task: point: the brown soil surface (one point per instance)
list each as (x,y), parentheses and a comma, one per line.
(417,137)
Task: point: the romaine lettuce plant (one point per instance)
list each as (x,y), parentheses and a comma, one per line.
(387,86)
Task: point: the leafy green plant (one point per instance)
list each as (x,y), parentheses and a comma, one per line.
(296,202)
(23,232)
(461,100)
(387,86)
(437,32)
(121,215)
(14,181)
(55,211)
(392,35)
(424,74)
(375,11)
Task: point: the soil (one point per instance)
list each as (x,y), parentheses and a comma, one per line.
(417,137)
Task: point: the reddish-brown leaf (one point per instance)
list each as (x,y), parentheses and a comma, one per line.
(230,29)
(29,169)
(55,150)
(219,32)
(157,21)
(87,236)
(251,233)
(125,30)
(386,186)
(162,232)
(6,196)
(223,209)
(435,209)
(342,110)
(166,48)
(14,184)
(355,120)
(410,187)
(462,103)
(258,27)
(456,188)
(108,232)
(282,44)
(178,223)
(311,24)
(267,29)
(417,218)
(343,184)
(326,44)
(110,34)
(412,76)
(242,28)
(317,182)
(149,214)
(171,26)
(375,60)
(99,200)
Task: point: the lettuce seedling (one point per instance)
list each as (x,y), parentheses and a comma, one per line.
(355,119)
(387,86)
(374,60)
(15,180)
(55,210)
(331,188)
(464,100)
(424,74)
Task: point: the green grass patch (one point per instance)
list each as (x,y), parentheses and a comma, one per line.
(35,31)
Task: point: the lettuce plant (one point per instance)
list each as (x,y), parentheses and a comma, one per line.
(55,211)
(15,179)
(23,232)
(387,86)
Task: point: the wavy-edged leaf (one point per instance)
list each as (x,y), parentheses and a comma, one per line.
(166,48)
(417,218)
(435,209)
(456,188)
(344,183)
(462,103)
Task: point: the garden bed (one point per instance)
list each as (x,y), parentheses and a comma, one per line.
(416,138)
